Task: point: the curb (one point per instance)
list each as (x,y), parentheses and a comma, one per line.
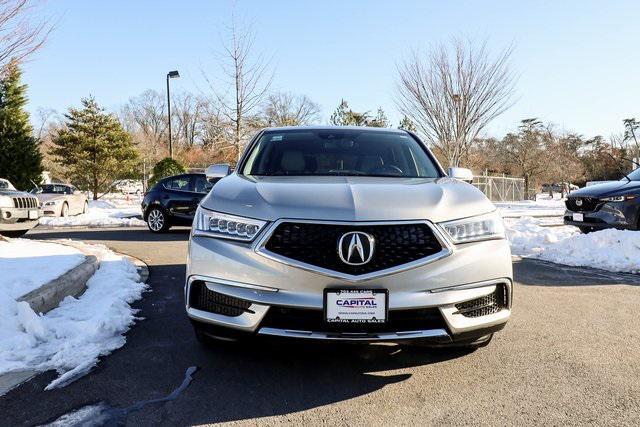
(73,282)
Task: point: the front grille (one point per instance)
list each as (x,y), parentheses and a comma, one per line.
(313,320)
(317,244)
(587,204)
(25,202)
(202,298)
(486,305)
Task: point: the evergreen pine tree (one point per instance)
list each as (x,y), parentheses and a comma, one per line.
(20,158)
(340,116)
(407,124)
(380,120)
(94,148)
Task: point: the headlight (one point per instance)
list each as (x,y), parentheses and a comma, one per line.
(51,203)
(6,202)
(618,198)
(476,228)
(215,224)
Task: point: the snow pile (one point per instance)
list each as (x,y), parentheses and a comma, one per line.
(26,265)
(102,213)
(542,206)
(72,337)
(613,250)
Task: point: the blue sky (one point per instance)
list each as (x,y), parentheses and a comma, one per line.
(577,61)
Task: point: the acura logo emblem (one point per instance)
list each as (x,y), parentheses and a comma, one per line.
(356,248)
(578,202)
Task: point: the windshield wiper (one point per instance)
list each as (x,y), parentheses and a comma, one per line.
(345,173)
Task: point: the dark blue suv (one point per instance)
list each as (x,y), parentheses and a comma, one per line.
(609,205)
(174,200)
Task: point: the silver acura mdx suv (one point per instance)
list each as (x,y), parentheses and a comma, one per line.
(347,234)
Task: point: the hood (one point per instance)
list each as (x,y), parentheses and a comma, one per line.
(46,197)
(346,198)
(607,189)
(15,193)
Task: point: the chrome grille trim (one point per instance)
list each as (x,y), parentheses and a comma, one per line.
(25,202)
(260,248)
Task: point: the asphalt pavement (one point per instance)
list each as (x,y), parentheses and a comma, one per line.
(570,355)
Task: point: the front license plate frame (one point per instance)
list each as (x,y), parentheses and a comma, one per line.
(357,313)
(578,217)
(33,214)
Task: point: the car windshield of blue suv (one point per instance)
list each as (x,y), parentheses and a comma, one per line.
(319,152)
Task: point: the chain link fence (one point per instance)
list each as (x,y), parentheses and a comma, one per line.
(502,188)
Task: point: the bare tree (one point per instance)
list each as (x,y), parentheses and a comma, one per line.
(188,113)
(453,92)
(145,117)
(630,128)
(249,78)
(287,109)
(43,119)
(20,35)
(147,113)
(564,165)
(526,151)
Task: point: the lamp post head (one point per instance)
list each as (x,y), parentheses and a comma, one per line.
(173,74)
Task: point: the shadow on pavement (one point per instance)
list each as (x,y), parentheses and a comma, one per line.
(238,382)
(241,382)
(112,234)
(534,272)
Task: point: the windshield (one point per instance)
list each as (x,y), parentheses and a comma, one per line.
(53,189)
(6,185)
(635,175)
(320,152)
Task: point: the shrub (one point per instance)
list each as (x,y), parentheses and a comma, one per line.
(166,167)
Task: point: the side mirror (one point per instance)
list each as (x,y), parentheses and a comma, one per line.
(461,174)
(218,171)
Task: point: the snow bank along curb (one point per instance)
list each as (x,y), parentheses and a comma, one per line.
(72,337)
(73,282)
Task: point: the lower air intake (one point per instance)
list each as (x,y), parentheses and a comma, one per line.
(486,305)
(202,298)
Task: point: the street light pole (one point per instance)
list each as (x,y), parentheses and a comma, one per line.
(170,75)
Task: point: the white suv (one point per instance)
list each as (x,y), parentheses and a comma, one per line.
(19,211)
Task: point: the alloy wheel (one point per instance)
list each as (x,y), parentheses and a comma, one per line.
(155,220)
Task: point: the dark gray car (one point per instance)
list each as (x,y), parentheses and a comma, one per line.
(608,205)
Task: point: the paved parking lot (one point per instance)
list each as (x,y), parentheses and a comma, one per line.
(570,355)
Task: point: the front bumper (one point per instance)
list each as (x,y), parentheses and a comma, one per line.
(17,219)
(621,215)
(53,210)
(470,272)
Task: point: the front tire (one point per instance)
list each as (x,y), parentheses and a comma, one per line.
(64,211)
(157,220)
(85,209)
